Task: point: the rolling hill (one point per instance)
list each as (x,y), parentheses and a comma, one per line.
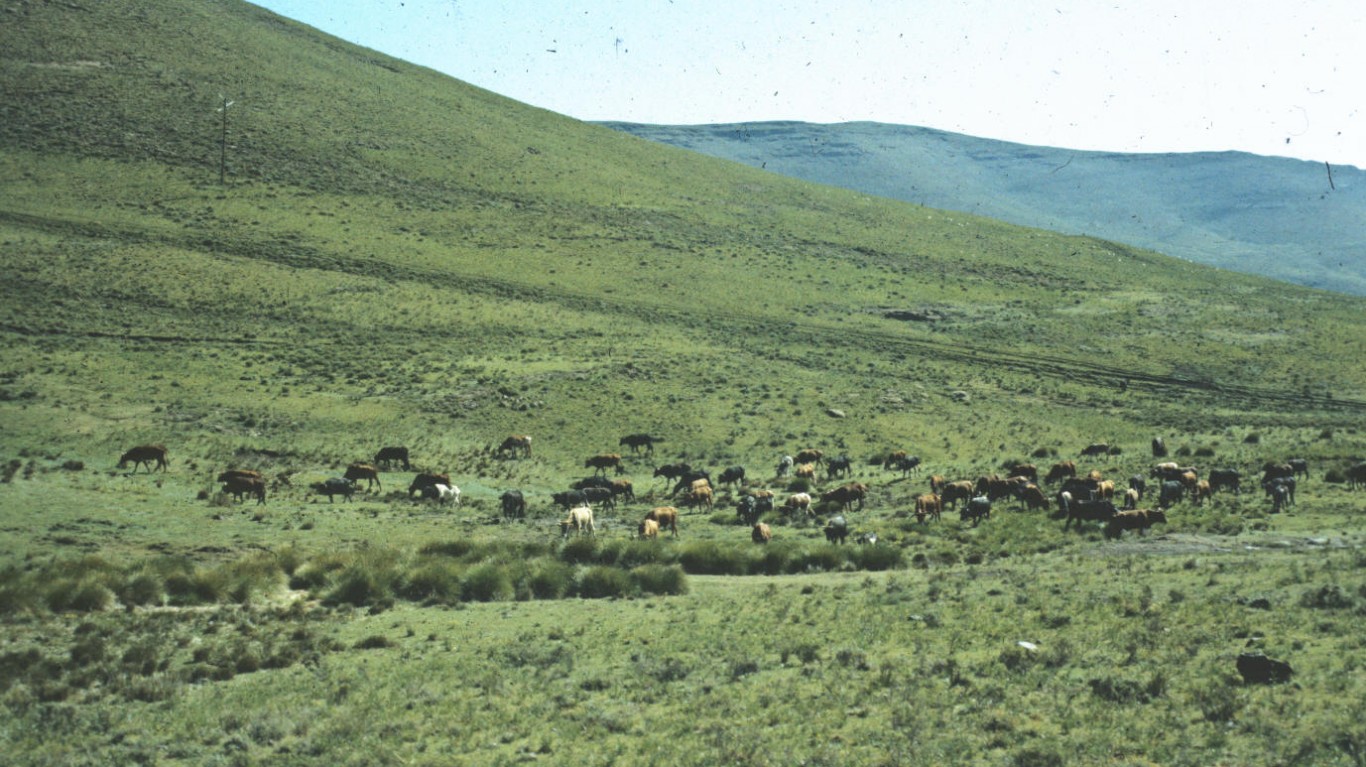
(1285,219)
(361,253)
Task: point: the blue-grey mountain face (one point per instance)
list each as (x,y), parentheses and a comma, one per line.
(1291,220)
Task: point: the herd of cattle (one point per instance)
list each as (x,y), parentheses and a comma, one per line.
(1078,498)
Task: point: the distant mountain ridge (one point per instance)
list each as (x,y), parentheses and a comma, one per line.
(1292,220)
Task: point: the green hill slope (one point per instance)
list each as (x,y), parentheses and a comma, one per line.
(398,254)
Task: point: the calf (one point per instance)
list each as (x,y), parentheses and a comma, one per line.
(648,530)
(442,494)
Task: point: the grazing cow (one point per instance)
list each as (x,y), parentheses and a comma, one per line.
(647,530)
(427,479)
(358,471)
(846,495)
(1164,470)
(1027,470)
(928,505)
(144,455)
(955,491)
(761,533)
(1061,470)
(805,471)
(442,494)
(836,530)
(387,456)
(664,516)
(513,503)
(839,467)
(732,475)
(580,520)
(1201,493)
(604,461)
(1226,479)
(747,509)
(587,482)
(976,510)
(784,466)
(798,502)
(1082,488)
(240,486)
(637,441)
(1031,497)
(937,482)
(1135,519)
(810,456)
(1159,448)
(622,488)
(1065,501)
(601,496)
(517,443)
(672,470)
(1272,471)
(866,539)
(1169,493)
(690,480)
(1138,484)
(335,486)
(1131,499)
(698,496)
(1356,476)
(1096,448)
(1299,466)
(568,499)
(1089,511)
(894,458)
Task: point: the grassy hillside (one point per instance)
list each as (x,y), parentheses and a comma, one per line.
(1287,219)
(397,258)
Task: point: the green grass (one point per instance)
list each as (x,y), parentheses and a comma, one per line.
(398,258)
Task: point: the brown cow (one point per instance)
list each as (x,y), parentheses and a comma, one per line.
(809,456)
(805,471)
(937,482)
(956,491)
(698,496)
(231,474)
(1028,470)
(387,456)
(1061,470)
(624,489)
(358,471)
(1032,497)
(1202,492)
(517,443)
(846,495)
(1105,489)
(927,505)
(241,485)
(761,533)
(1135,519)
(604,461)
(664,517)
(144,455)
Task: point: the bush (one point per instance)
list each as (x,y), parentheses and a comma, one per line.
(358,586)
(454,549)
(878,558)
(580,550)
(83,596)
(435,580)
(548,579)
(601,582)
(142,589)
(660,579)
(488,582)
(712,558)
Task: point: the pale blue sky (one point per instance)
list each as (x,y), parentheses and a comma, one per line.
(1273,78)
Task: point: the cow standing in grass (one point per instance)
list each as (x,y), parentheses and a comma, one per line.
(145,455)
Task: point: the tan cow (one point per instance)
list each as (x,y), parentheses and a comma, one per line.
(664,517)
(580,520)
(761,533)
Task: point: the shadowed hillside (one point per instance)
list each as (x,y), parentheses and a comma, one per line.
(1276,217)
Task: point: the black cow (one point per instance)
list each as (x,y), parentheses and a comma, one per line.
(978,509)
(1170,494)
(1281,492)
(637,441)
(784,466)
(837,529)
(593,481)
(839,466)
(1090,511)
(1081,488)
(514,504)
(1096,448)
(1159,448)
(672,470)
(569,499)
(603,496)
(1225,479)
(1256,668)
(732,475)
(335,486)
(685,481)
(391,455)
(1140,483)
(747,509)
(1299,466)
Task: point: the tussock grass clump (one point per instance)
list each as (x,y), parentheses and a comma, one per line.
(487,582)
(660,579)
(713,558)
(603,582)
(549,579)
